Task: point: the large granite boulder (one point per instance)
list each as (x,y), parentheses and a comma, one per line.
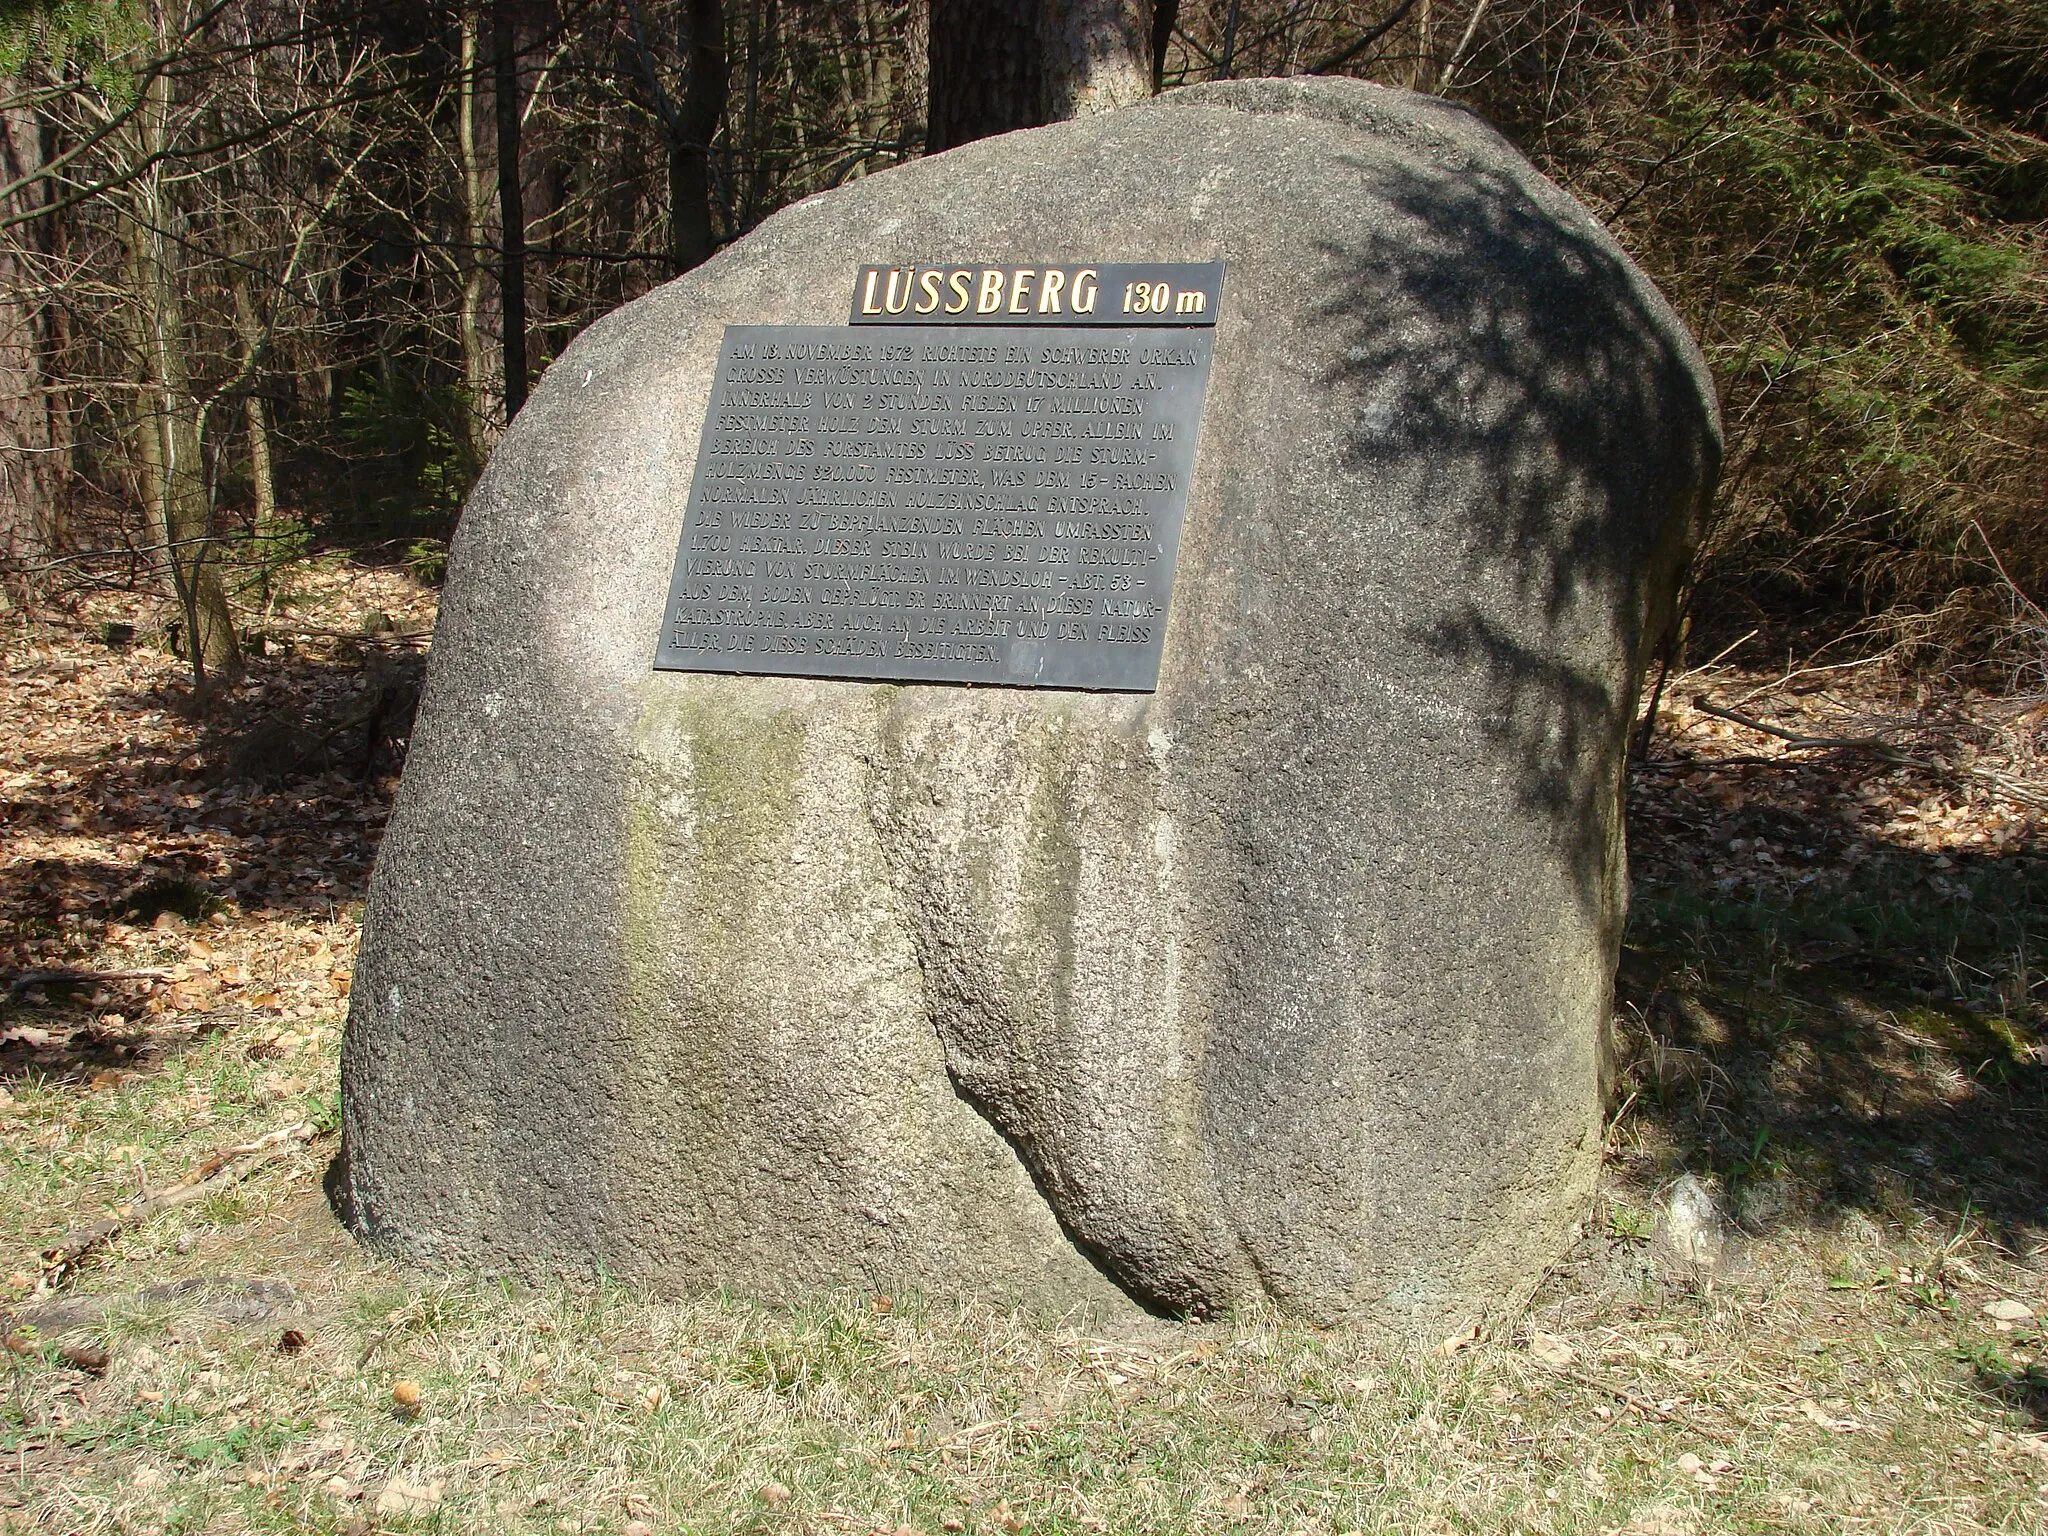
(1286,981)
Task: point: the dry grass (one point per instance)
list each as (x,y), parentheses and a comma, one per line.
(1836,1377)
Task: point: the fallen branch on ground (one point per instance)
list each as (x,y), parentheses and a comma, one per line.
(1643,1405)
(62,1260)
(66,976)
(222,1295)
(2012,789)
(2026,794)
(1800,742)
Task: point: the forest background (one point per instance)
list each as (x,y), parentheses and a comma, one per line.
(274,273)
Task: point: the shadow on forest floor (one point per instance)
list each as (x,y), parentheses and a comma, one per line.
(1824,1018)
(1835,1013)
(144,835)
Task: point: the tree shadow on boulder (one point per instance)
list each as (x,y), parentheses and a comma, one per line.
(1531,397)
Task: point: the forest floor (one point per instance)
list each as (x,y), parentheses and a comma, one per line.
(1832,1012)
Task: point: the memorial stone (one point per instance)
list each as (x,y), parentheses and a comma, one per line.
(1144,618)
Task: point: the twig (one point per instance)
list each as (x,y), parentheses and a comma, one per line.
(1648,730)
(61,1260)
(1718,657)
(1797,741)
(1836,666)
(1733,760)
(1614,1120)
(1443,81)
(2011,586)
(388,636)
(2012,789)
(1642,1404)
(1344,56)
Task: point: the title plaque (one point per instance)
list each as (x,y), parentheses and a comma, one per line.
(1073,293)
(977,503)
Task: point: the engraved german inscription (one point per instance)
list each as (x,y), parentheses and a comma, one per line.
(939,503)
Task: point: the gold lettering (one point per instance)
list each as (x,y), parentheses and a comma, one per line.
(928,285)
(957,285)
(1020,290)
(1049,288)
(867,295)
(990,298)
(1083,291)
(890,300)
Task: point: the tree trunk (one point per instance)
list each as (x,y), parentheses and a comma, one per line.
(262,477)
(996,65)
(168,426)
(469,315)
(1097,53)
(511,205)
(28,442)
(985,70)
(690,136)
(1164,14)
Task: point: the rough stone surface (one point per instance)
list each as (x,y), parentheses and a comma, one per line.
(1690,1226)
(1288,981)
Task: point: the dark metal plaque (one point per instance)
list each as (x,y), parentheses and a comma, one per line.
(939,504)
